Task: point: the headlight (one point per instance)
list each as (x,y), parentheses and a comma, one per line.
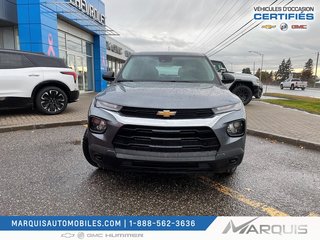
(107,106)
(228,108)
(236,128)
(97,125)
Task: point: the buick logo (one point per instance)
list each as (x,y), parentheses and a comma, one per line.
(284,27)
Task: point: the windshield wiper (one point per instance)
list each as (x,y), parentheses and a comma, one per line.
(175,81)
(125,81)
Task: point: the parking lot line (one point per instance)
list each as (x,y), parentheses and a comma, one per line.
(313,214)
(241,198)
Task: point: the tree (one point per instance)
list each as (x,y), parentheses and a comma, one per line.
(258,73)
(280,74)
(246,70)
(307,73)
(266,77)
(287,69)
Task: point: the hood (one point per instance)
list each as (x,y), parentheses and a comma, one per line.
(167,95)
(245,76)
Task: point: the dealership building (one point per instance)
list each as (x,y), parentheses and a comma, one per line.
(74,30)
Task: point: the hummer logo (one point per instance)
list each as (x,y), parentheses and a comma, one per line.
(166,113)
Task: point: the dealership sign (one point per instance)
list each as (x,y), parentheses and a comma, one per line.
(89,10)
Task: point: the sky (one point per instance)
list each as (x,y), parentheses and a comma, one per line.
(200,25)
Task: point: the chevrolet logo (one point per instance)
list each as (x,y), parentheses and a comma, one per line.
(268,26)
(166,113)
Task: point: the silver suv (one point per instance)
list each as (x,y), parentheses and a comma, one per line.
(166,112)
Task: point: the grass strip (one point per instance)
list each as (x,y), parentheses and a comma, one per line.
(308,104)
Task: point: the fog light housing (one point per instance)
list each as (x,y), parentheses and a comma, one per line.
(236,128)
(97,125)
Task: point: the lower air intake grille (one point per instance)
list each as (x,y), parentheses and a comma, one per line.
(166,139)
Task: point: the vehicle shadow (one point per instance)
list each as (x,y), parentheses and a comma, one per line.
(151,194)
(20,111)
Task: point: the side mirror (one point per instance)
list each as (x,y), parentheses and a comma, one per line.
(222,70)
(227,78)
(108,76)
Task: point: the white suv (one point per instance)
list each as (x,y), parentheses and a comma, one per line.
(31,79)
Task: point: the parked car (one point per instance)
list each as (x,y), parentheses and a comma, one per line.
(245,86)
(293,83)
(35,80)
(166,112)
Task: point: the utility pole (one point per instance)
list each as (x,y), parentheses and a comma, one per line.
(261,54)
(316,72)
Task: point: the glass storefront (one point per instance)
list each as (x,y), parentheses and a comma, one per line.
(78,54)
(114,64)
(9,38)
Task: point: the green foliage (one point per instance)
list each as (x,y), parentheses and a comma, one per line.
(284,70)
(266,77)
(246,70)
(307,73)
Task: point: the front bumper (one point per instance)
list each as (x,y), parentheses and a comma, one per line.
(74,96)
(257,91)
(106,156)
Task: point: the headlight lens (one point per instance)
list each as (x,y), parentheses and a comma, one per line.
(228,108)
(236,128)
(97,125)
(107,106)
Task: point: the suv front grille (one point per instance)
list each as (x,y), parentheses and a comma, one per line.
(180,113)
(166,139)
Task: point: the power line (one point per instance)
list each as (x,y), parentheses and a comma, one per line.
(227,39)
(245,4)
(217,24)
(213,17)
(210,55)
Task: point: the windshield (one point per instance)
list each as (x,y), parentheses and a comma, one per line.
(168,68)
(218,65)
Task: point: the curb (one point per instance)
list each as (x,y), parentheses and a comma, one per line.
(42,126)
(288,140)
(257,133)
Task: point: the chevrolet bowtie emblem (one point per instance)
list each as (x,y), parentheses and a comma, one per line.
(268,26)
(166,113)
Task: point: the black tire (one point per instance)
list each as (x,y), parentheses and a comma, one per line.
(228,172)
(292,87)
(244,93)
(85,149)
(51,100)
(303,89)
(259,94)
(281,86)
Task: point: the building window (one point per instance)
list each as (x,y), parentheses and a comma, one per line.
(8,38)
(78,54)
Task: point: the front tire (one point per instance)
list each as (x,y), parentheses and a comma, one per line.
(281,86)
(292,87)
(244,93)
(259,94)
(303,89)
(51,100)
(228,172)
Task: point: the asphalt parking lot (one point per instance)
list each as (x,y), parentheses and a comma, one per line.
(43,172)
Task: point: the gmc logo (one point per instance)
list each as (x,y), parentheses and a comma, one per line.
(299,26)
